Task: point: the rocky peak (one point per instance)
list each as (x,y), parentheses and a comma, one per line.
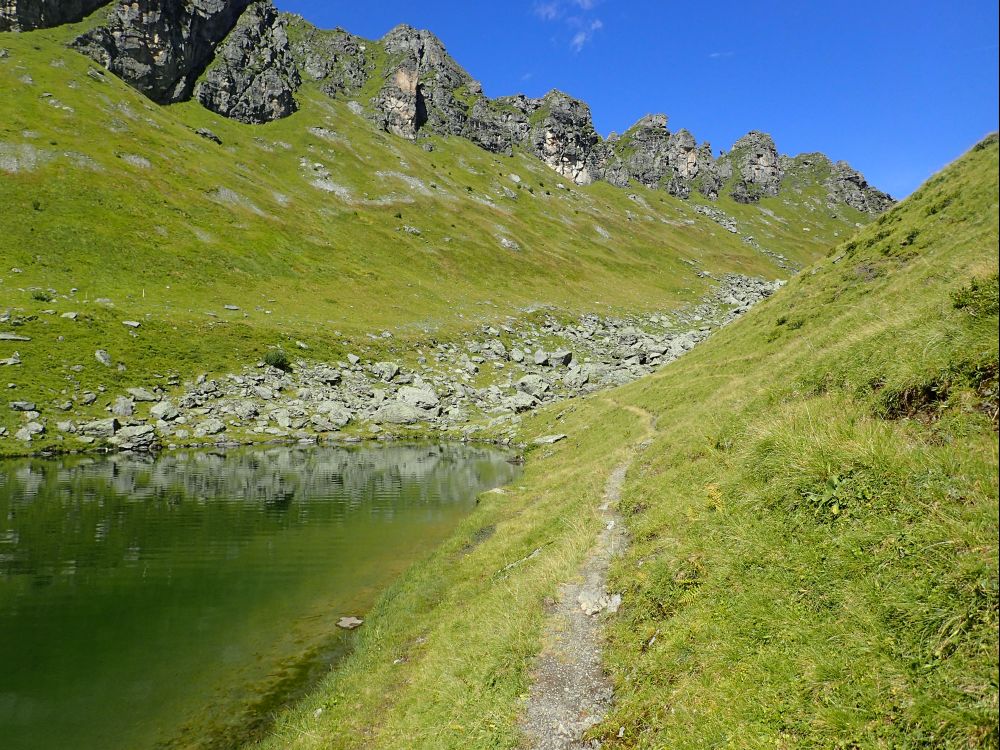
(253,77)
(339,61)
(161,48)
(756,160)
(25,15)
(849,186)
(562,134)
(423,85)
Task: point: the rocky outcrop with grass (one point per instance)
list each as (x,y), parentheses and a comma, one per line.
(161,48)
(26,15)
(244,60)
(757,168)
(253,77)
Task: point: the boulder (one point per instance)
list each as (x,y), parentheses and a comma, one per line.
(100,428)
(534,385)
(123,407)
(334,413)
(211,426)
(165,411)
(385,370)
(135,438)
(142,394)
(397,412)
(29,431)
(422,398)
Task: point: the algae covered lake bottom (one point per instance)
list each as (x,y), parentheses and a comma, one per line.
(178,602)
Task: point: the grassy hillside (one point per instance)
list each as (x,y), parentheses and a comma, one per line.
(813,515)
(116,209)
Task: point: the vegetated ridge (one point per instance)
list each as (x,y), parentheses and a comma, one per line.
(813,527)
(159,260)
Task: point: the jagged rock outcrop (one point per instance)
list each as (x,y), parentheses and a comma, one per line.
(252,70)
(442,91)
(161,48)
(649,154)
(758,166)
(848,185)
(641,154)
(25,15)
(253,77)
(423,85)
(562,135)
(499,124)
(338,61)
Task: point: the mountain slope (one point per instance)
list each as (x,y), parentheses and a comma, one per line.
(320,228)
(813,557)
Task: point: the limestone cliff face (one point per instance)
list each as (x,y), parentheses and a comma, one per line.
(160,48)
(253,77)
(25,15)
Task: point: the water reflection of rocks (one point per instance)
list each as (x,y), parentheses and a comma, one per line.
(52,509)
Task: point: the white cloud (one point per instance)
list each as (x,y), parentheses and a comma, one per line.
(584,35)
(575,16)
(720,55)
(548,11)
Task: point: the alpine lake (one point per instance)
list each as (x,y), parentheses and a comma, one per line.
(181,601)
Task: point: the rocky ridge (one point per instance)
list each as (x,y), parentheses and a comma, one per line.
(26,15)
(236,57)
(161,48)
(254,76)
(486,381)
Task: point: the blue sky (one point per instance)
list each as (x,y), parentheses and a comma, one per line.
(898,89)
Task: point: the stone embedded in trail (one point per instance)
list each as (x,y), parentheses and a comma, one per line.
(549,439)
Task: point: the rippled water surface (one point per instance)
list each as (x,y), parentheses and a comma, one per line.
(176,602)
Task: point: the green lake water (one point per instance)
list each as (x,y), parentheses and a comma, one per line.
(178,602)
